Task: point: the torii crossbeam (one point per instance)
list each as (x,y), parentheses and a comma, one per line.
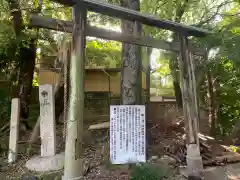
(112,10)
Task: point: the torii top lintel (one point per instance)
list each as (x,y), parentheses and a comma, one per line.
(105,8)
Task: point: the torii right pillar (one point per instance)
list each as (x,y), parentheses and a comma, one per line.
(190,111)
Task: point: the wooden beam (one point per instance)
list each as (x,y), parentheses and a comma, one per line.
(131,15)
(66,26)
(100,126)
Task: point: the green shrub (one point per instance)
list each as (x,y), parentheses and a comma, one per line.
(148,172)
(5,105)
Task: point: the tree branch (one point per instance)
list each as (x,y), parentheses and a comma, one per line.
(230,15)
(180,11)
(218,8)
(17,16)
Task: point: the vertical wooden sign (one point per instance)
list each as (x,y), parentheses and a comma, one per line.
(47,124)
(14,130)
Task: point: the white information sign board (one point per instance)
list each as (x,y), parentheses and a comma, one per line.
(127,134)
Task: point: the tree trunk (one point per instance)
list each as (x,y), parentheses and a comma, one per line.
(131,88)
(236,133)
(26,58)
(174,68)
(211,105)
(131,76)
(174,64)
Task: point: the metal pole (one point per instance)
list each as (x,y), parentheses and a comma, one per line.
(194,160)
(73,168)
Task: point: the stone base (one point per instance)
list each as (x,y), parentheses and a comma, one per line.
(194,161)
(45,164)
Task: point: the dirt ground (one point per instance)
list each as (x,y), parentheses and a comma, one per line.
(168,141)
(96,154)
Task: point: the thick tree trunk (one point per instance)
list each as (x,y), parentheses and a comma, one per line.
(26,58)
(211,105)
(174,64)
(16,16)
(131,76)
(131,89)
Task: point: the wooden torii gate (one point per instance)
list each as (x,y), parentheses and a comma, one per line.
(80,29)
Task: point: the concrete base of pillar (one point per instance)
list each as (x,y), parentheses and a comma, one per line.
(194,162)
(45,164)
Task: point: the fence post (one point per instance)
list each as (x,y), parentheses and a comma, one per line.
(14,130)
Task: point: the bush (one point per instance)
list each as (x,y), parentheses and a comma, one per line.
(148,172)
(5,106)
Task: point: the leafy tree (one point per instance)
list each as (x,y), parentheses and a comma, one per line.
(197,13)
(222,70)
(103,53)
(18,50)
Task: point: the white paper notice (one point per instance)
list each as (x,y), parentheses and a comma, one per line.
(127,134)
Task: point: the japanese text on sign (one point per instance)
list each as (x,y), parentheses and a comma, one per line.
(127,134)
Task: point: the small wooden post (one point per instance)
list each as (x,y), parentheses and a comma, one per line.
(14,131)
(47,120)
(73,168)
(194,160)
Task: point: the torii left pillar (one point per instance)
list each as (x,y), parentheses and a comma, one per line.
(74,160)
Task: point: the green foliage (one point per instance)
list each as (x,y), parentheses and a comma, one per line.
(148,172)
(228,97)
(163,70)
(5,105)
(235,149)
(35,81)
(34,111)
(100,53)
(224,67)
